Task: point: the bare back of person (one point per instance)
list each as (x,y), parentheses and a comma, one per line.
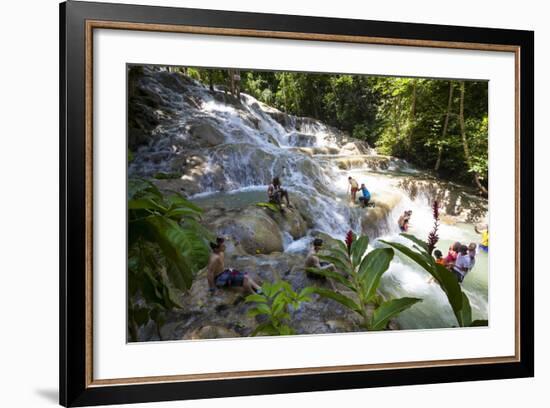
(215,267)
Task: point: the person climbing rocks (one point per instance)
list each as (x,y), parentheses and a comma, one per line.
(219,277)
(353,188)
(484,244)
(404,221)
(365,198)
(275,193)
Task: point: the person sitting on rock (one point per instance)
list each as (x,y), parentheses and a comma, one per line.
(313,261)
(353,188)
(226,278)
(365,198)
(404,220)
(275,193)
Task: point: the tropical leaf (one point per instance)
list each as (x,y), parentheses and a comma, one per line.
(337,253)
(184,248)
(265,328)
(182,212)
(419,242)
(465,312)
(389,309)
(448,282)
(269,206)
(145,204)
(260,308)
(479,323)
(337,262)
(342,247)
(358,248)
(338,297)
(415,256)
(372,268)
(332,275)
(256,298)
(177,201)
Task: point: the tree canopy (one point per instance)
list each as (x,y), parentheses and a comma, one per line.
(435,124)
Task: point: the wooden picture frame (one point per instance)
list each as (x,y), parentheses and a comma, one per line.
(77,22)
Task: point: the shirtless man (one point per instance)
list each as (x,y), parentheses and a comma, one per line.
(219,277)
(353,188)
(312,261)
(275,193)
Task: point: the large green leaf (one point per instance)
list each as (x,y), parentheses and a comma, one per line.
(332,275)
(182,212)
(184,248)
(479,323)
(269,206)
(448,282)
(358,248)
(415,256)
(389,309)
(337,262)
(337,253)
(465,312)
(342,247)
(372,268)
(138,188)
(419,242)
(338,297)
(145,204)
(177,201)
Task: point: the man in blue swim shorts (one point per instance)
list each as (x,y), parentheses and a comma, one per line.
(219,277)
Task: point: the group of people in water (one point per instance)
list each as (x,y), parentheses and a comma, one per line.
(460,258)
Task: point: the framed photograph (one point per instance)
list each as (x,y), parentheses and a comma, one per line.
(256,204)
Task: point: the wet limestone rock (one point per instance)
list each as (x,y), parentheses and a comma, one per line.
(374,220)
(290,221)
(252,228)
(210,332)
(205,134)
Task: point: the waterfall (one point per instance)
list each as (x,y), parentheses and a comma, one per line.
(213,143)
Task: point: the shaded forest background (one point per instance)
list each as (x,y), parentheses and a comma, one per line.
(438,125)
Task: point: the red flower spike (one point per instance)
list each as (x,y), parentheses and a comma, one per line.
(349,240)
(433,238)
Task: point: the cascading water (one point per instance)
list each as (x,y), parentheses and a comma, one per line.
(245,144)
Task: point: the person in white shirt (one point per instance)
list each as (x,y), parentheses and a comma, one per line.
(462,264)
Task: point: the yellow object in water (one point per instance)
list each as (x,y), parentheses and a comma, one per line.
(485,238)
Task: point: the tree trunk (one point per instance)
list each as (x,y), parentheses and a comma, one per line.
(445,126)
(465,140)
(231,82)
(412,116)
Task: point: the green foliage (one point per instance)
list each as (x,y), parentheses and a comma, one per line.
(269,206)
(166,248)
(402,117)
(361,275)
(447,280)
(275,303)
